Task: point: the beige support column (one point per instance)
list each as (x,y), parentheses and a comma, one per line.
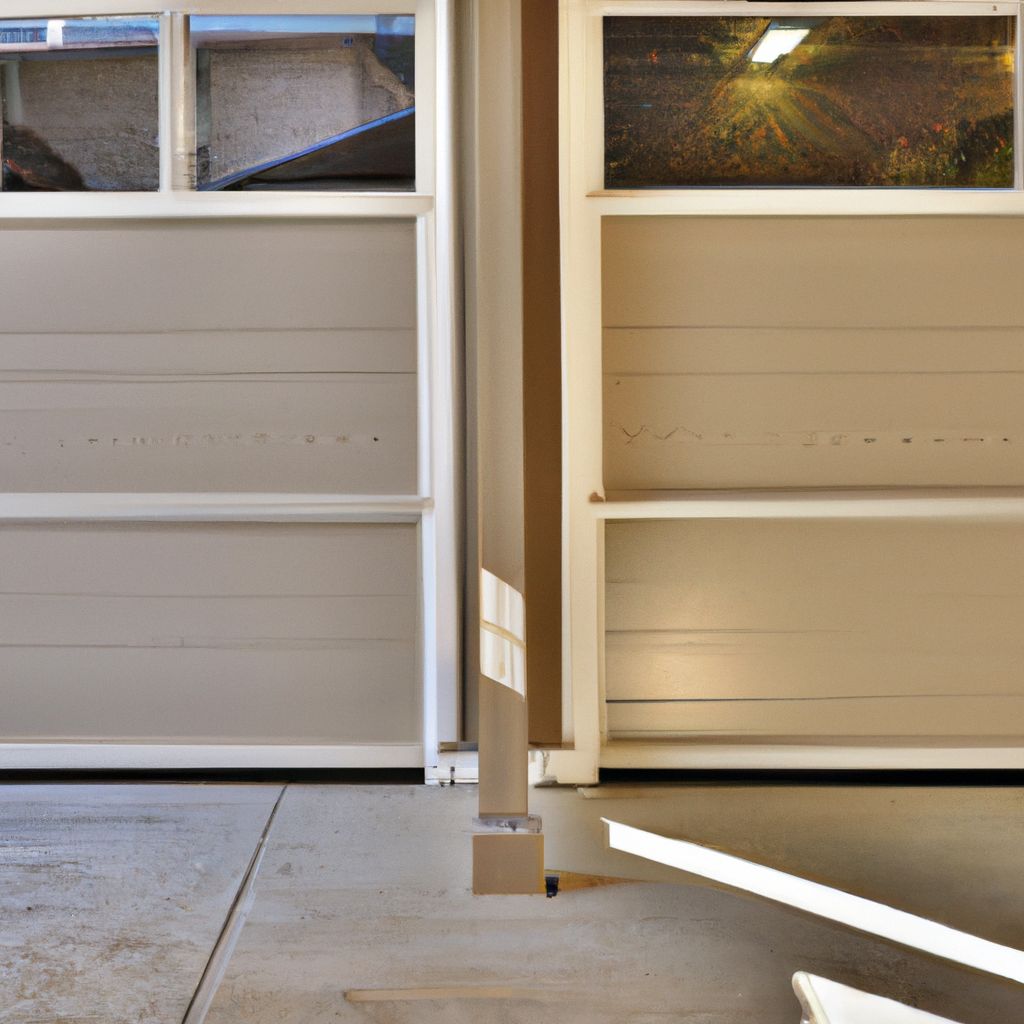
(503,751)
(508,850)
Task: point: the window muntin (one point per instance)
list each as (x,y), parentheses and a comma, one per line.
(80,104)
(911,101)
(305,102)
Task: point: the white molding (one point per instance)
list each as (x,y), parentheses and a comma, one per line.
(208,508)
(827,1002)
(446,418)
(976,504)
(741,8)
(128,756)
(584,202)
(856,912)
(437,386)
(956,755)
(582,432)
(65,206)
(802,202)
(85,8)
(434,509)
(465,762)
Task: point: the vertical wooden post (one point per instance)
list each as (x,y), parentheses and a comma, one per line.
(542,370)
(508,855)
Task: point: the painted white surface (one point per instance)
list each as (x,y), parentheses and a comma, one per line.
(202,300)
(821,900)
(203,634)
(736,324)
(827,1002)
(855,630)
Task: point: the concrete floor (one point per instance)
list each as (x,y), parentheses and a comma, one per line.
(113,899)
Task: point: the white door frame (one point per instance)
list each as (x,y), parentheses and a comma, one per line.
(584,203)
(433,508)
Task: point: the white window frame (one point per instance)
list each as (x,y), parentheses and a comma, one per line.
(432,508)
(584,203)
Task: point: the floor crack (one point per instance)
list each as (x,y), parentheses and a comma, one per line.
(220,956)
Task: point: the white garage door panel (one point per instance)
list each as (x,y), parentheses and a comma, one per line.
(830,628)
(197,357)
(970,720)
(781,427)
(820,272)
(139,354)
(241,633)
(186,276)
(279,692)
(774,353)
(154,620)
(342,433)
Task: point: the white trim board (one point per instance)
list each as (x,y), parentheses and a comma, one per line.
(828,1002)
(210,508)
(434,508)
(767,756)
(83,756)
(974,504)
(855,912)
(584,203)
(85,8)
(65,206)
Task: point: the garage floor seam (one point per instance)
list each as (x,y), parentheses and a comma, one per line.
(220,956)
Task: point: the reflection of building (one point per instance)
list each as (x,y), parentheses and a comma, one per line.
(267,90)
(264,104)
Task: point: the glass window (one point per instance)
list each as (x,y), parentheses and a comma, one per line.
(80,104)
(305,102)
(841,101)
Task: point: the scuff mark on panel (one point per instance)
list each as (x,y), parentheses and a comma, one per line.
(207,440)
(681,434)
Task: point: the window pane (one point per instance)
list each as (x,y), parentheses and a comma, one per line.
(305,102)
(857,101)
(80,107)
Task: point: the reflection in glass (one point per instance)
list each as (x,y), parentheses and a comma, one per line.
(305,102)
(852,101)
(80,107)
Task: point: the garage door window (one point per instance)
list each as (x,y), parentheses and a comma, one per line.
(885,101)
(80,104)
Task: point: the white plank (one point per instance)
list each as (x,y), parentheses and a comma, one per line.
(811,754)
(826,1002)
(25,207)
(180,353)
(200,277)
(759,272)
(950,721)
(820,900)
(804,628)
(812,350)
(308,432)
(145,560)
(772,408)
(72,757)
(921,504)
(155,621)
(209,633)
(277,691)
